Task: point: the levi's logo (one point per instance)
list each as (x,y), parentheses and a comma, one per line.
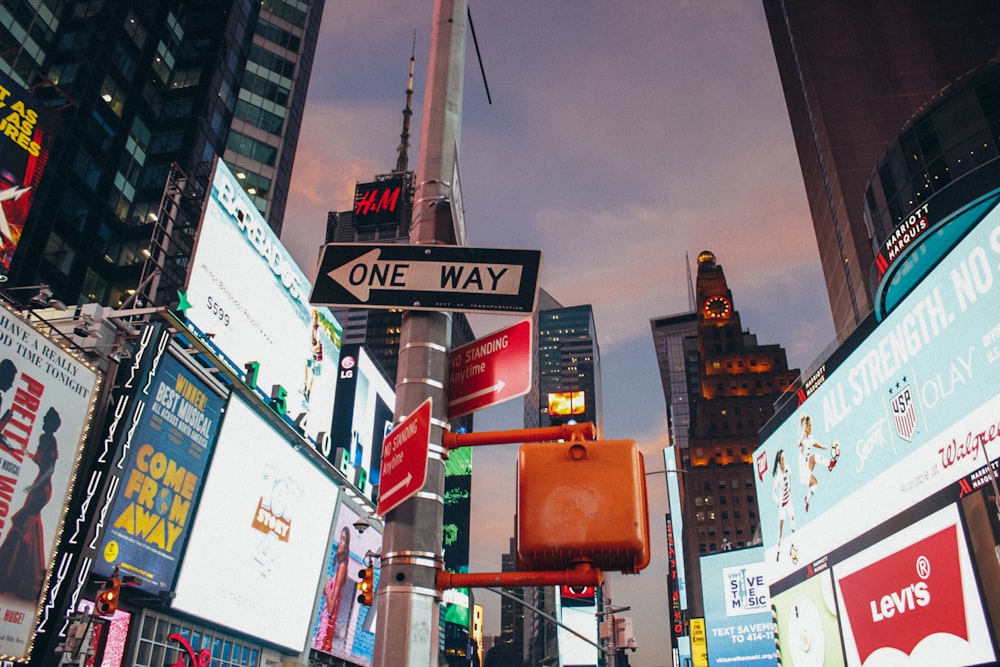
(908,596)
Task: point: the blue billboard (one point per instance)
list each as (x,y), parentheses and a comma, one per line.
(738,624)
(165,460)
(882,536)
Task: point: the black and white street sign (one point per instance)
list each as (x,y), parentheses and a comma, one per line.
(423,277)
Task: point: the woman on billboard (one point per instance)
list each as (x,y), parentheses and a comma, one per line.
(333,590)
(22,555)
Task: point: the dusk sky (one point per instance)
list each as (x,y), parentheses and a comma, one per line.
(621,135)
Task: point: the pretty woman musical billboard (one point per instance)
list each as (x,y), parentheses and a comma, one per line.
(46,397)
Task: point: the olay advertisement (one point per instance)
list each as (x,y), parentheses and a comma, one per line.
(248,298)
(911,410)
(738,624)
(343,627)
(260,535)
(46,396)
(912,600)
(167,456)
(26,131)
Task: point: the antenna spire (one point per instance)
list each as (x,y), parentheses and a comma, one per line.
(687,265)
(404,137)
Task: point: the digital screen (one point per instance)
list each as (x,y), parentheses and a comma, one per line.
(565,403)
(380,203)
(249,300)
(45,400)
(260,536)
(737,603)
(168,452)
(24,152)
(343,627)
(903,428)
(363,411)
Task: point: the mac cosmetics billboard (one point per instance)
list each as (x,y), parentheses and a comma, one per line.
(260,536)
(46,398)
(247,298)
(171,444)
(882,534)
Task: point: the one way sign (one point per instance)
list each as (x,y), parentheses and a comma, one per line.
(420,277)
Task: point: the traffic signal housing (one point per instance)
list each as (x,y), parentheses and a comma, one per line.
(107,599)
(366,586)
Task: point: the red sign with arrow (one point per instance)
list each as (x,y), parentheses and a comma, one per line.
(404,459)
(490,370)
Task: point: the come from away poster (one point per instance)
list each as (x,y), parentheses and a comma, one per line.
(167,456)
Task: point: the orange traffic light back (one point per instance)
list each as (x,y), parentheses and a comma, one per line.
(582,501)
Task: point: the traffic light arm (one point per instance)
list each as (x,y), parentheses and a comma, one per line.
(582,574)
(585,431)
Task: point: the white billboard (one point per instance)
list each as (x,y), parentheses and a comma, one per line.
(259,540)
(246,297)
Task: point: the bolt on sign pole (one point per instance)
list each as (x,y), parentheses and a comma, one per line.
(408,599)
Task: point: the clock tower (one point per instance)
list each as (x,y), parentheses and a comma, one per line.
(737,382)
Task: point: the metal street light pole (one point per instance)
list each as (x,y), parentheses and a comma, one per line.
(408,599)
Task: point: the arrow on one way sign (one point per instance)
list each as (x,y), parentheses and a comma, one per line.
(359,276)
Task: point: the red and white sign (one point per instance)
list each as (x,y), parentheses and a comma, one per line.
(490,370)
(404,459)
(902,599)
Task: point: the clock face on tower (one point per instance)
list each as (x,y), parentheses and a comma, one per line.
(716,307)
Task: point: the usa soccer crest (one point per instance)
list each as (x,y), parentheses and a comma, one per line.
(904,413)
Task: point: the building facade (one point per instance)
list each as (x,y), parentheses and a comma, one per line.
(853,73)
(135,90)
(720,386)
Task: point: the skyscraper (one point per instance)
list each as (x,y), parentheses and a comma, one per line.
(138,91)
(720,385)
(853,73)
(569,370)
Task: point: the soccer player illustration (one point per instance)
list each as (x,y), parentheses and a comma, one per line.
(810,455)
(782,492)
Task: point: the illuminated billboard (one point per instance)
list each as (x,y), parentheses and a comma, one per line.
(566,403)
(738,624)
(381,202)
(260,535)
(889,468)
(171,444)
(362,417)
(247,298)
(26,131)
(342,627)
(46,398)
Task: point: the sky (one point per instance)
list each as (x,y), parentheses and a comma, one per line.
(623,138)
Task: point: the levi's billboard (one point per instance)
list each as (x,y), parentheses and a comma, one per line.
(888,469)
